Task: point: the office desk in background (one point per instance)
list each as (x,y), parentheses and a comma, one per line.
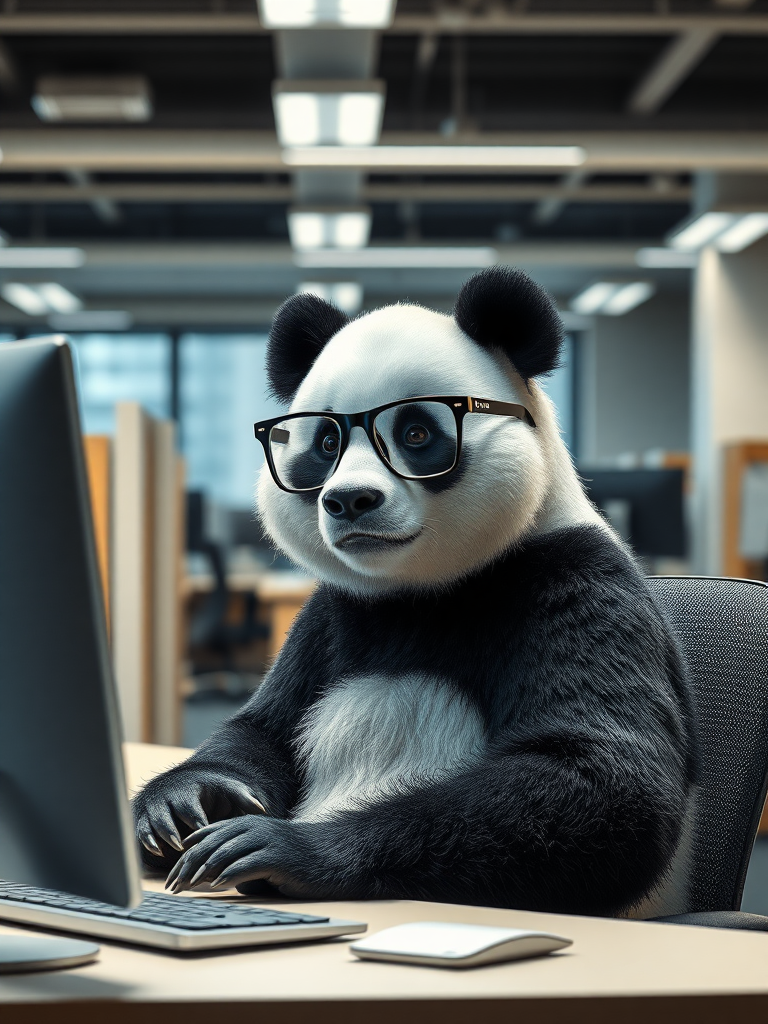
(281,596)
(626,971)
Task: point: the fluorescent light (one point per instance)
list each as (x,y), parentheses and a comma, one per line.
(592,298)
(339,113)
(347,295)
(16,257)
(665,258)
(117,98)
(627,297)
(435,156)
(612,298)
(701,232)
(347,13)
(24,297)
(339,229)
(58,299)
(39,299)
(297,116)
(400,257)
(91,320)
(744,232)
(359,118)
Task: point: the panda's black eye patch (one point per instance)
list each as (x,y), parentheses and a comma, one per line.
(305,455)
(418,439)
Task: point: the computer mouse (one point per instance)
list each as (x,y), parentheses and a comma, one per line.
(446,944)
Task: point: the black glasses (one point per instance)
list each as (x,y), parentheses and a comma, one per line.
(417,438)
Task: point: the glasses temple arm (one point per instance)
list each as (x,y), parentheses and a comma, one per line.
(492,408)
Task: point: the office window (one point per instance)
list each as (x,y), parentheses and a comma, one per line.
(560,388)
(222,392)
(121,367)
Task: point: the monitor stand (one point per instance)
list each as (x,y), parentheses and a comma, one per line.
(20,953)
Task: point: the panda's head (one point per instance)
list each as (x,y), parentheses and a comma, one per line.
(373,532)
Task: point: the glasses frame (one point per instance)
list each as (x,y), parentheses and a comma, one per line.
(459,405)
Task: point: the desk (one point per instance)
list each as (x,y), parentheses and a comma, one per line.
(627,971)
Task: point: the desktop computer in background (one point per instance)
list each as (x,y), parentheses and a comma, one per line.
(646,506)
(68,858)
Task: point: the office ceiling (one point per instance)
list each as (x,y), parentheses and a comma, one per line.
(660,89)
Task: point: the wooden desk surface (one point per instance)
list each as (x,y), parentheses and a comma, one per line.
(616,969)
(270,586)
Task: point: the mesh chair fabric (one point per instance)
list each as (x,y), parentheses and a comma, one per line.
(722,625)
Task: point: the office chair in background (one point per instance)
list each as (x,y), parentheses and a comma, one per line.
(722,625)
(211,626)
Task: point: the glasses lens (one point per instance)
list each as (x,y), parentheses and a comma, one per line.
(418,438)
(305,451)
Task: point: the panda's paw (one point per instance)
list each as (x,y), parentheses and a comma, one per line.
(232,853)
(181,801)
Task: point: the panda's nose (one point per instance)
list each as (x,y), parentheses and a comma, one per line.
(349,504)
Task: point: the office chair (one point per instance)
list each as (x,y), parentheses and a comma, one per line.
(210,626)
(722,625)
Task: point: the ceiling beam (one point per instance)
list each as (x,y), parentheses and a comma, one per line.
(674,65)
(150,192)
(128,150)
(275,255)
(444,22)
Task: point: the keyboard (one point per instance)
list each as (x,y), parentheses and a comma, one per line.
(171,922)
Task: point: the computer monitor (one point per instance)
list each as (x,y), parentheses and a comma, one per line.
(65,822)
(646,506)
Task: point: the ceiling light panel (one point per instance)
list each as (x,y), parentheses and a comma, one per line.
(314,113)
(58,299)
(612,298)
(333,229)
(341,13)
(117,99)
(743,232)
(627,297)
(702,231)
(23,297)
(347,295)
(39,299)
(592,298)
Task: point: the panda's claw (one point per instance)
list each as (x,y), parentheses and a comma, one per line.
(149,843)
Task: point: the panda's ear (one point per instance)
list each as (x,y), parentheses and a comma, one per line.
(502,308)
(302,326)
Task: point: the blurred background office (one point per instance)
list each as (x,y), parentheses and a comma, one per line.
(171,171)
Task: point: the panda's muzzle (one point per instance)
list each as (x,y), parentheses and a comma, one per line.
(351,503)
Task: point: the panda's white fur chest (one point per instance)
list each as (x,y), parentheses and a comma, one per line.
(371,737)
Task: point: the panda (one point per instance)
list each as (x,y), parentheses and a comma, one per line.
(481,702)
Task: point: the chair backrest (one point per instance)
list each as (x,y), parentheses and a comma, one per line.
(722,625)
